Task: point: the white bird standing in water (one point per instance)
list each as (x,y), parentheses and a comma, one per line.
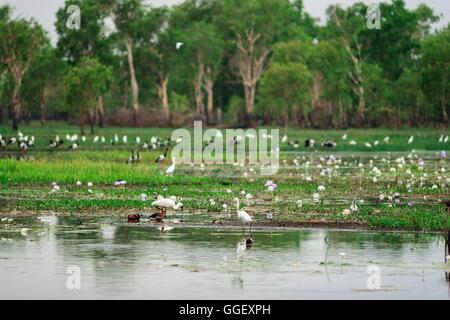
(164,203)
(171,169)
(243,216)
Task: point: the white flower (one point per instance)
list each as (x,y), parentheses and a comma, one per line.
(321,188)
(353,208)
(78,183)
(316,197)
(299,203)
(346,212)
(90,184)
(143,197)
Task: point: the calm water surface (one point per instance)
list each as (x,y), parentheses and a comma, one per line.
(118,261)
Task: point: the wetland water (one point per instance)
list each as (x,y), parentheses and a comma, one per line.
(117,260)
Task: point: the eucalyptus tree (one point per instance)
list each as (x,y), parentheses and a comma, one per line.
(91,40)
(83,85)
(348,25)
(435,76)
(20,41)
(254,26)
(204,49)
(128,18)
(46,71)
(161,42)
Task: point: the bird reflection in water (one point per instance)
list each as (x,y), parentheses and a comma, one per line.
(242,246)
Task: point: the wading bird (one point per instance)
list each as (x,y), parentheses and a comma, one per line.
(134,157)
(243,216)
(162,157)
(171,169)
(165,203)
(134,218)
(74,146)
(309,143)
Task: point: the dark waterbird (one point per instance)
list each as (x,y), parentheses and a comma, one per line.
(134,218)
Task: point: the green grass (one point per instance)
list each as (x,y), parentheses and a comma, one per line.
(25,184)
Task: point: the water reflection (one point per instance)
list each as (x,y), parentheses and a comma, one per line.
(139,261)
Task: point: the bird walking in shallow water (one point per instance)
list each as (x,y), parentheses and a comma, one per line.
(243,216)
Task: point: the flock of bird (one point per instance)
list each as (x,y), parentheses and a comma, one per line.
(24,142)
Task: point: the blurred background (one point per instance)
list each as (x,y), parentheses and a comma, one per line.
(230,63)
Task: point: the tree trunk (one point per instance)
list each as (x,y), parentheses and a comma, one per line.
(92,119)
(341,114)
(361,106)
(4,108)
(133,80)
(163,95)
(219,115)
(16,105)
(101,112)
(444,111)
(250,92)
(250,68)
(209,87)
(42,107)
(198,92)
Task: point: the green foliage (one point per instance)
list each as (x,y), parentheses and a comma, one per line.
(85,83)
(435,76)
(269,46)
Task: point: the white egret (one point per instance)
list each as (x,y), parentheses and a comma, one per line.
(171,169)
(243,216)
(164,203)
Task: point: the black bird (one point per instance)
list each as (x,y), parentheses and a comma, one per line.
(74,146)
(134,218)
(55,144)
(294,144)
(3,143)
(309,143)
(134,158)
(162,157)
(11,141)
(329,144)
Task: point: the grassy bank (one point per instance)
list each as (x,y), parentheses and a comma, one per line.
(391,190)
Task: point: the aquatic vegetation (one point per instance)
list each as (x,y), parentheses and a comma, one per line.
(389,186)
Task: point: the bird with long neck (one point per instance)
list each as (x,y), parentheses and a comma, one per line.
(165,203)
(243,216)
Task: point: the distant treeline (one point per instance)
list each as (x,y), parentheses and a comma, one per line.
(228,62)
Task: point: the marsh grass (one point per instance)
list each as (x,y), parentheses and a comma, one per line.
(25,184)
